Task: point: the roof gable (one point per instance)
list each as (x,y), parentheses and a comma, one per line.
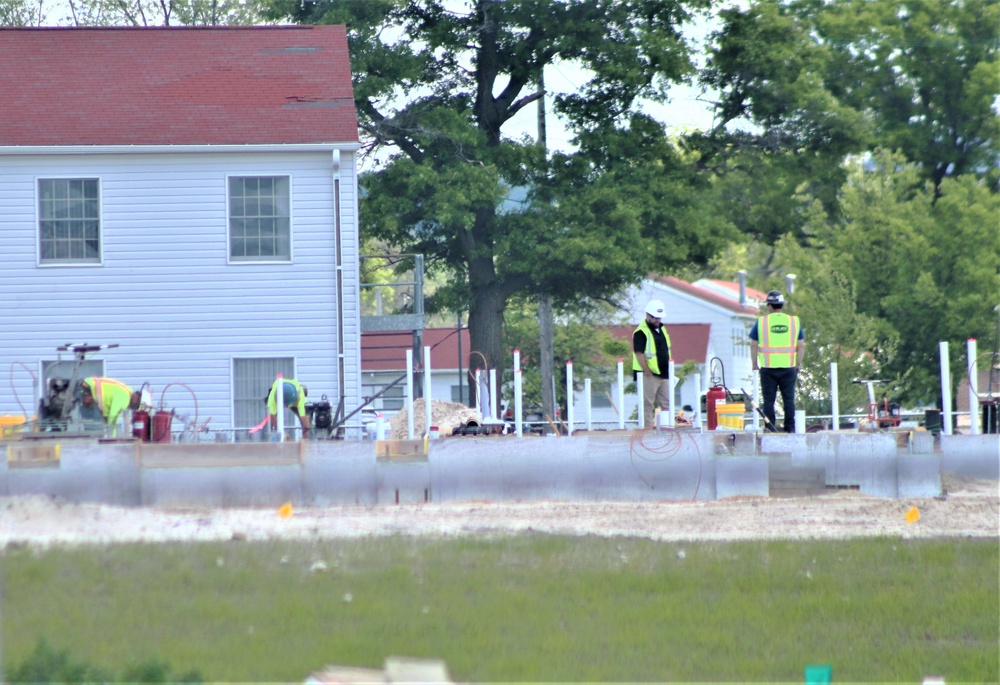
(706,295)
(176,86)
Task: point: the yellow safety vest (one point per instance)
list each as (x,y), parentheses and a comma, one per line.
(112,397)
(778,335)
(651,360)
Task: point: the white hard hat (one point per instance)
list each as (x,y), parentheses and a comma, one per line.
(656,308)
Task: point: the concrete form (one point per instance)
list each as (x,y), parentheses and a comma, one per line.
(595,466)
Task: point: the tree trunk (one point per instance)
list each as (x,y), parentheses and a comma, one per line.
(486,308)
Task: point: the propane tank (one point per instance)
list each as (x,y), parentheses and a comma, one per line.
(715,394)
(140,425)
(162,421)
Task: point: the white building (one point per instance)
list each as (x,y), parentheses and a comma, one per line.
(189,194)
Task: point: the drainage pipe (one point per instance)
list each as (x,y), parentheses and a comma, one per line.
(834,397)
(494,396)
(428,406)
(586,395)
(697,401)
(569,397)
(945,389)
(672,384)
(279,402)
(973,388)
(518,428)
(621,395)
(479,395)
(640,391)
(409,394)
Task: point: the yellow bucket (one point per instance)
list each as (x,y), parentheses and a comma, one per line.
(9,423)
(730,415)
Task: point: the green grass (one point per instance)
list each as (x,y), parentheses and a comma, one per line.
(532,607)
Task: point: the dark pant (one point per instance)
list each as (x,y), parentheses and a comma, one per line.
(772,380)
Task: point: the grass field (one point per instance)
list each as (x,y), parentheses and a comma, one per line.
(525,608)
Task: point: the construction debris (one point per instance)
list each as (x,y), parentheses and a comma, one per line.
(447,416)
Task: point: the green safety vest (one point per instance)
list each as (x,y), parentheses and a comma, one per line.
(777,335)
(651,360)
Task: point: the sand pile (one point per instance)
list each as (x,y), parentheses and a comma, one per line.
(447,416)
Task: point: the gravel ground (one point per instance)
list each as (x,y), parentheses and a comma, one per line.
(969,508)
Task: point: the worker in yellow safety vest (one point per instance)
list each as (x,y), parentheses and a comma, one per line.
(293,396)
(109,397)
(651,358)
(777,347)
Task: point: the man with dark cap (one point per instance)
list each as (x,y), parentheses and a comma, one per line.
(777,347)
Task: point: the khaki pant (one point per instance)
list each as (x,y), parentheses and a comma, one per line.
(655,393)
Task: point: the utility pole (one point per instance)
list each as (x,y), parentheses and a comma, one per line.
(545,335)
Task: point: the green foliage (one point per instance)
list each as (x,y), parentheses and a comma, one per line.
(48,665)
(922,266)
(522,608)
(831,78)
(437,85)
(578,336)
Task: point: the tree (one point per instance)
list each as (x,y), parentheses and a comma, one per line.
(923,264)
(830,78)
(130,12)
(438,87)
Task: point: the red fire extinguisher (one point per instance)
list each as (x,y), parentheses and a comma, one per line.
(715,394)
(140,425)
(162,422)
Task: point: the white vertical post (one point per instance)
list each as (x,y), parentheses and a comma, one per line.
(621,395)
(279,403)
(586,394)
(479,394)
(696,419)
(569,397)
(800,420)
(640,391)
(834,397)
(973,389)
(756,398)
(672,384)
(409,394)
(428,404)
(518,427)
(494,395)
(945,388)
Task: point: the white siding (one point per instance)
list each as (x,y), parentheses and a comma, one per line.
(727,337)
(165,291)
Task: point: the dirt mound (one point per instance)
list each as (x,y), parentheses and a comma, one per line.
(447,416)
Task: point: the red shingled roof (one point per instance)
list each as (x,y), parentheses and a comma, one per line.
(176,86)
(706,295)
(386,351)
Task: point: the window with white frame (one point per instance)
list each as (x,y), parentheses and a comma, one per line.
(259,218)
(69,221)
(252,380)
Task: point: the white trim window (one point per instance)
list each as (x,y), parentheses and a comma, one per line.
(69,221)
(260,219)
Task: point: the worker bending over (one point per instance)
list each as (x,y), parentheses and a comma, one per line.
(293,396)
(109,397)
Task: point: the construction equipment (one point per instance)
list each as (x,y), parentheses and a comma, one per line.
(63,394)
(884,415)
(767,422)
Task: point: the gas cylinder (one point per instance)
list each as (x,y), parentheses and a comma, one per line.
(162,421)
(140,425)
(715,394)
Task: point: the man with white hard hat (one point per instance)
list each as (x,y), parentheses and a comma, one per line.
(651,358)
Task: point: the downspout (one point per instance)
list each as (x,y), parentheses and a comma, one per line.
(341,362)
(742,275)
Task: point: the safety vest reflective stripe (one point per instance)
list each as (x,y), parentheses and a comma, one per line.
(650,352)
(778,349)
(97,386)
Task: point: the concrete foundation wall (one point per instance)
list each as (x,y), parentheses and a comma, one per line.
(648,466)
